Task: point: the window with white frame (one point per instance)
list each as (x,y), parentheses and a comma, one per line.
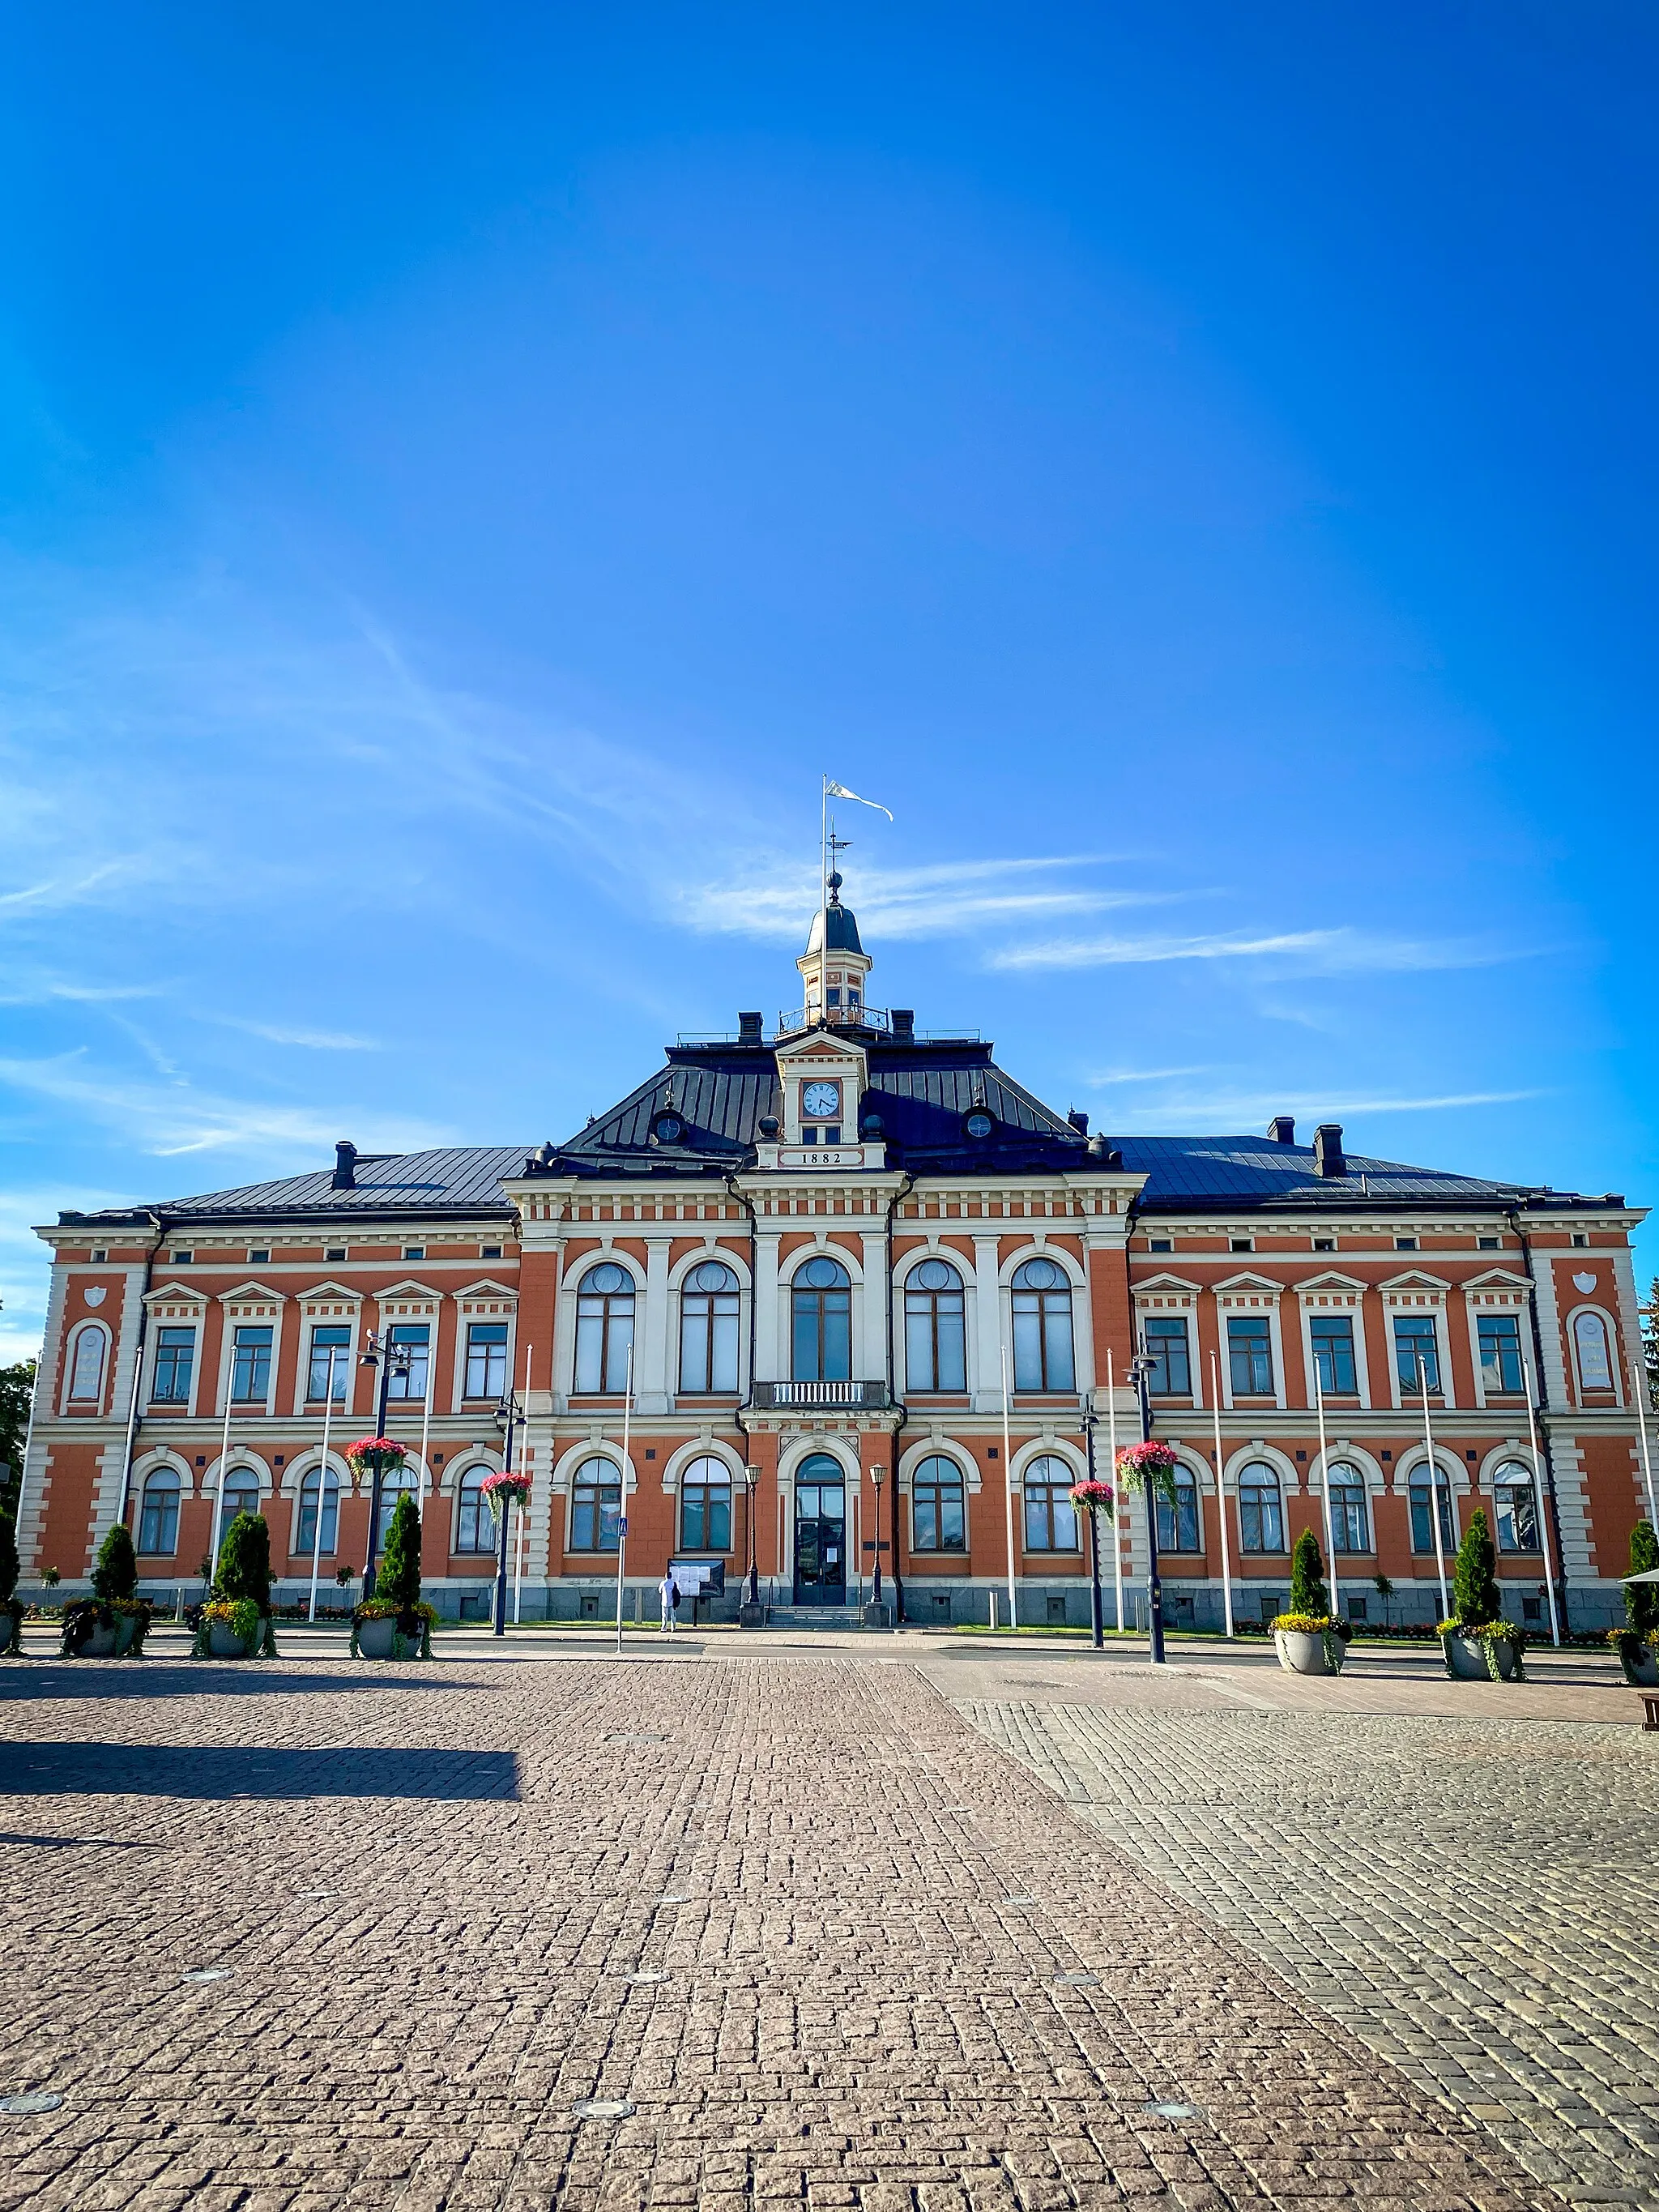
(158,1514)
(486,1360)
(475,1524)
(1177,1524)
(311,1489)
(1050,1516)
(1350,1526)
(175,1364)
(1165,1338)
(935,1332)
(938,1519)
(1042,1300)
(821,1322)
(1518,1507)
(396,1482)
(1261,1509)
(709,1302)
(1422,1526)
(86,1367)
(1415,1352)
(1331,1335)
(1250,1355)
(706,1505)
(250,1363)
(415,1338)
(604,1327)
(1499,1335)
(241,1496)
(330,1348)
(596,1507)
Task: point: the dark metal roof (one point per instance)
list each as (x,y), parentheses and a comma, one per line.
(923,1092)
(834,929)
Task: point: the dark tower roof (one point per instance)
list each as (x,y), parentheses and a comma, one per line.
(833,928)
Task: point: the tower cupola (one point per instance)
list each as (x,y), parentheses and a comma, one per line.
(834,965)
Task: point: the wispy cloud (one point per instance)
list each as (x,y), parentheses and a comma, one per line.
(1230,1113)
(176,1119)
(23,989)
(313,1040)
(1312,952)
(1105,1075)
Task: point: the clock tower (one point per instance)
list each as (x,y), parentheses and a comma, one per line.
(833,966)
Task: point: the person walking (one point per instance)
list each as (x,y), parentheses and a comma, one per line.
(669,1591)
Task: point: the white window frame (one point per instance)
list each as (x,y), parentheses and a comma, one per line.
(252,1306)
(487,1300)
(1615,1361)
(1342,1295)
(1496,1293)
(1250,1294)
(1417,1294)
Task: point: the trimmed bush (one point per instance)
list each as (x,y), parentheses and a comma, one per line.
(8,1556)
(245,1562)
(116,1571)
(1476,1598)
(398,1580)
(1309,1595)
(1641,1599)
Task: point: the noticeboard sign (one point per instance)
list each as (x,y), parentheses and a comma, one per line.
(699,1578)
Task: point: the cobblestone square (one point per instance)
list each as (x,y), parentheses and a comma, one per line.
(806,1927)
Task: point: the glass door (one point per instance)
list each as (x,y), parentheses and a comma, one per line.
(820,1533)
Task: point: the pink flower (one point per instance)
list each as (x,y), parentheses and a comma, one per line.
(1097,1497)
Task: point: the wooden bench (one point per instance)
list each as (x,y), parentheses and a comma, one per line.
(1650,1707)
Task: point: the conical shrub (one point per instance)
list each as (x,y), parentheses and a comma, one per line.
(399,1578)
(1641,1599)
(1308,1592)
(245,1561)
(1476,1598)
(115,1573)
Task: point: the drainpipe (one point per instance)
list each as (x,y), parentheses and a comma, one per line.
(748,1206)
(160,1227)
(1513,1216)
(902,1191)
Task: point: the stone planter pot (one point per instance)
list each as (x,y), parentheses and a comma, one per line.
(1641,1672)
(375,1638)
(1301,1651)
(1466,1657)
(223,1642)
(8,1635)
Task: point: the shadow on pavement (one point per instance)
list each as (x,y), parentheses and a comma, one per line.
(243,1770)
(145,1678)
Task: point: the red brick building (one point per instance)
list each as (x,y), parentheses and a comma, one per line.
(816,1248)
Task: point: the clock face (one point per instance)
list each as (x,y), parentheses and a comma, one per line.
(820,1101)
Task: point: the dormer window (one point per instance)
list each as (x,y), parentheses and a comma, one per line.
(832,997)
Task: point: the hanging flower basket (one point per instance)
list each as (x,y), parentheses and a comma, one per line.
(1138,1465)
(374,1456)
(505,1490)
(1095,1497)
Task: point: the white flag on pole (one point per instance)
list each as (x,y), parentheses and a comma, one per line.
(834,790)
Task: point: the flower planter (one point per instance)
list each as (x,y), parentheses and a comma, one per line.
(1641,1665)
(10,1637)
(1466,1657)
(376,1637)
(1307,1651)
(223,1642)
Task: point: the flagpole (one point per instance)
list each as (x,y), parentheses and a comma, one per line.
(1221,1498)
(224,1454)
(622,1518)
(1639,1379)
(426,1436)
(1539,1506)
(1117,1532)
(1325,1485)
(1434,1491)
(322,1492)
(518,1556)
(1008,1484)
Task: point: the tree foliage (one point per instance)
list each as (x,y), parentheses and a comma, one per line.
(245,1561)
(1642,1599)
(398,1580)
(1308,1592)
(17,1396)
(8,1557)
(115,1573)
(1476,1598)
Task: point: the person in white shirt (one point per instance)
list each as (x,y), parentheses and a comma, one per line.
(668,1591)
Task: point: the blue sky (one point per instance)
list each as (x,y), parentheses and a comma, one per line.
(465,472)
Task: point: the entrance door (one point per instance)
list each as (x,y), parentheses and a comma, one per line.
(820,1532)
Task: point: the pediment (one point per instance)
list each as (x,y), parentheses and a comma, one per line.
(331,1291)
(1252,1284)
(1414,1278)
(1153,1285)
(486,1288)
(170,1294)
(1332,1280)
(408,1288)
(818,1046)
(1498,1278)
(253,1291)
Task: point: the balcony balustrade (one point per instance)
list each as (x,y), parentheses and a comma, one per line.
(812,1397)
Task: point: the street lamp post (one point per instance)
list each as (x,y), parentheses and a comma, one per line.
(392,1360)
(878,1474)
(1140,1368)
(751,1484)
(1097,1622)
(508,1419)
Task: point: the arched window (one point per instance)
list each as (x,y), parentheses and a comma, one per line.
(1591,1341)
(475,1524)
(1518,1507)
(1422,1530)
(241,1495)
(708,1328)
(938,1515)
(86,1367)
(1261,1509)
(1177,1524)
(821,1322)
(935,1345)
(1349,1530)
(1050,1516)
(1042,1327)
(706,1505)
(596,1507)
(158,1520)
(396,1483)
(304,1536)
(604,1327)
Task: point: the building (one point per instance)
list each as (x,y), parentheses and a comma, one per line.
(813,1252)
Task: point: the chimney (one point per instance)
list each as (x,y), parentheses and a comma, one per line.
(1327,1150)
(345,1165)
(1281,1130)
(748,1029)
(904,1025)
(1078,1120)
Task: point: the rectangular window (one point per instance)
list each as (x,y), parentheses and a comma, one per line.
(1177,1525)
(1489,1244)
(250,1367)
(413,1337)
(596,1516)
(1241,1244)
(1500,1352)
(182,1258)
(334,1252)
(1348,1528)
(1050,1518)
(489,1251)
(706,1516)
(1166,1348)
(175,1363)
(1160,1245)
(1422,1532)
(1332,1338)
(1250,1355)
(1517,1518)
(414,1251)
(259,1255)
(1405,1244)
(1414,1339)
(326,1339)
(486,1360)
(1324,1243)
